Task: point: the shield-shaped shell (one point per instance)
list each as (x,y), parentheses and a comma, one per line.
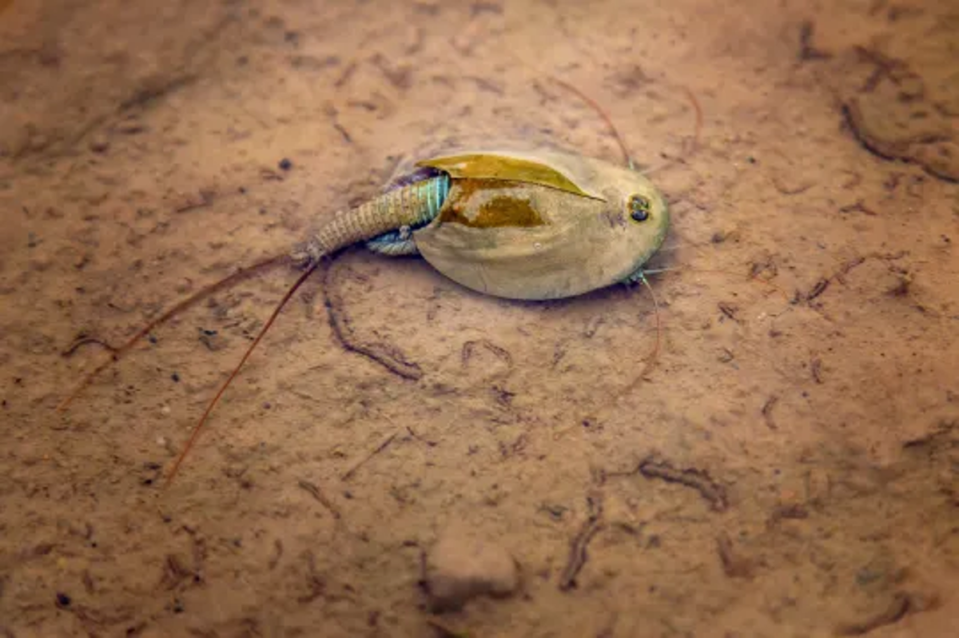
(539,224)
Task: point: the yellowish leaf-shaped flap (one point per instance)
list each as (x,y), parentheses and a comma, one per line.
(504,167)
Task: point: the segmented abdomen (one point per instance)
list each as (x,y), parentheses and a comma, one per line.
(414,205)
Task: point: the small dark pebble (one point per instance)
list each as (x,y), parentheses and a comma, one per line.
(62,599)
(99,144)
(177,606)
(208,333)
(285,164)
(175,377)
(152,339)
(242,190)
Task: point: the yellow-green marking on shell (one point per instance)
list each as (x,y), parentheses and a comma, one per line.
(504,167)
(490,204)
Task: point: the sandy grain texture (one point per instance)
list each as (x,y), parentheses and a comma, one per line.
(788,468)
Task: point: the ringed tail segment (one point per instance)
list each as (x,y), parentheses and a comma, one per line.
(412,206)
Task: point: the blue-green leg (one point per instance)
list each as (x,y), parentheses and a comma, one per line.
(637,276)
(396,243)
(640,275)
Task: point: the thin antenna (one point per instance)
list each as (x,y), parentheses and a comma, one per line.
(204,292)
(602,113)
(236,371)
(694,145)
(654,356)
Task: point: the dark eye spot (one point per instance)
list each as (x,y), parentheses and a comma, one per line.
(639,208)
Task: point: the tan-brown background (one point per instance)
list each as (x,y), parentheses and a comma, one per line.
(139,150)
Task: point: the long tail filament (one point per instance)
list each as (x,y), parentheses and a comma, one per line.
(117,353)
(654,356)
(236,370)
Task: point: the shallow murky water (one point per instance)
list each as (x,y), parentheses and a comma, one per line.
(787,467)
